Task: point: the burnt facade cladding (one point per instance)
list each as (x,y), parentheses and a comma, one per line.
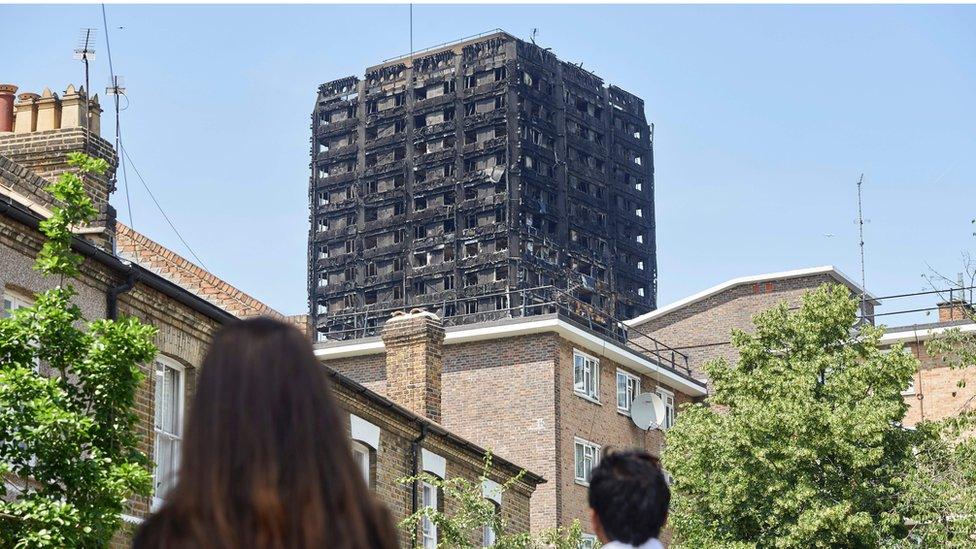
(461,179)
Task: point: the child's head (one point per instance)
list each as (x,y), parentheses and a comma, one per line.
(629,497)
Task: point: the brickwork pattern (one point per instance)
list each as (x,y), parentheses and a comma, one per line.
(183,333)
(939,391)
(45,153)
(394,461)
(702,329)
(168,264)
(600,423)
(17,179)
(515,395)
(414,363)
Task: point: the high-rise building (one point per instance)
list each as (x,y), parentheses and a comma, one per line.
(479,180)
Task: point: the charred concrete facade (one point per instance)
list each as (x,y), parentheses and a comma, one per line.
(463,177)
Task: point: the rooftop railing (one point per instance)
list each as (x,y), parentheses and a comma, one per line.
(516,303)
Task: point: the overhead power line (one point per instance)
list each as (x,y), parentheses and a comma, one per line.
(115,90)
(125,154)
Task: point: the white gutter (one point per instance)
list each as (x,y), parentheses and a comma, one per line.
(592,343)
(922,335)
(826,269)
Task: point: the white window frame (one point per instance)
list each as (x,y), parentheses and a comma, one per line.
(586,376)
(16,300)
(590,451)
(428,529)
(361,455)
(631,390)
(19,300)
(488,534)
(176,436)
(669,410)
(588,541)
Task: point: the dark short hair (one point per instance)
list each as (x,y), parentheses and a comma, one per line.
(630,494)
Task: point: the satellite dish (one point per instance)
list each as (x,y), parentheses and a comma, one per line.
(647,411)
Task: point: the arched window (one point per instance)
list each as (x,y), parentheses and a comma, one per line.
(489,535)
(362,455)
(430,497)
(365,443)
(436,466)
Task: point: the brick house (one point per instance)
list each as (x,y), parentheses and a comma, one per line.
(699,325)
(127,273)
(540,390)
(938,391)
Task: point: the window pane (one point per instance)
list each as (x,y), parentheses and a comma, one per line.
(361,456)
(158,399)
(580,471)
(171,401)
(622,401)
(578,373)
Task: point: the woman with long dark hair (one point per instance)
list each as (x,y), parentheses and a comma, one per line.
(266,461)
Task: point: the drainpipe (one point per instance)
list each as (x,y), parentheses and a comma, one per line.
(415,447)
(113,293)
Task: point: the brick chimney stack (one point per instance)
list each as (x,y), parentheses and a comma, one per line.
(7,92)
(414,362)
(46,128)
(955,309)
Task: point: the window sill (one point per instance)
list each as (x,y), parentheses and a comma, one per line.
(585,396)
(623,412)
(581,483)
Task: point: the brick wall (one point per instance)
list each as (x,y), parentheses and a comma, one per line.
(414,360)
(394,460)
(515,396)
(44,153)
(600,423)
(499,394)
(939,391)
(183,333)
(702,329)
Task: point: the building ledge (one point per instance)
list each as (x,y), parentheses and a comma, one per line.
(515,327)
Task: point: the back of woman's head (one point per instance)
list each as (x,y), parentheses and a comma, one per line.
(266,461)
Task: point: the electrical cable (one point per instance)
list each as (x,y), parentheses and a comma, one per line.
(118,125)
(125,153)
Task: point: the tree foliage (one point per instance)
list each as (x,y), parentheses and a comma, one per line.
(471,513)
(68,449)
(939,495)
(799,444)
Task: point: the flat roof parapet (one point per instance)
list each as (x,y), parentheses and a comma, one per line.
(456,46)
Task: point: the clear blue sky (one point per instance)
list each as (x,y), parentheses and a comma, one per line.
(764,116)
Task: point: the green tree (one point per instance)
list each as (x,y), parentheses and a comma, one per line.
(939,493)
(473,513)
(800,443)
(938,497)
(68,449)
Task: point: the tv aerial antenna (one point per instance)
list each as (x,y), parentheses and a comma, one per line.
(116,90)
(85,52)
(860,228)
